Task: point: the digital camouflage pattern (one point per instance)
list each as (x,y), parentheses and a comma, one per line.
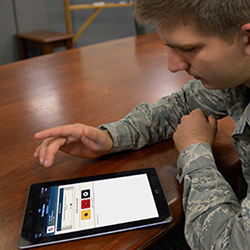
(215,219)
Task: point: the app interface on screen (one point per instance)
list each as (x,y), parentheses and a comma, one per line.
(94,204)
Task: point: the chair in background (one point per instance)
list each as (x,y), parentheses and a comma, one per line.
(45,40)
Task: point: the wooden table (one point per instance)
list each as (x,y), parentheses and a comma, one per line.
(93,85)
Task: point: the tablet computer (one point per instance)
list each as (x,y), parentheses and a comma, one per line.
(65,210)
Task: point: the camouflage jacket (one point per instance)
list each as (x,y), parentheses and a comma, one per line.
(215,219)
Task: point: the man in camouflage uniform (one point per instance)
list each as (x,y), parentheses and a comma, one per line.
(210,40)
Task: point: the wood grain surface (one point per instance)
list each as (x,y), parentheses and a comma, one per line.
(95,84)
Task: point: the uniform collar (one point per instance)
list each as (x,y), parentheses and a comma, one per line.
(241,123)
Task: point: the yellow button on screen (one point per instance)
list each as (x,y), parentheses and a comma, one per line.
(85,214)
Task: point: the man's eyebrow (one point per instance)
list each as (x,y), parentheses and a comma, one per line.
(183,46)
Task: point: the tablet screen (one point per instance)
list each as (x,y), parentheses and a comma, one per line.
(73,209)
(87,205)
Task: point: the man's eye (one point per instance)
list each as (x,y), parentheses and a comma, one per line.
(187,50)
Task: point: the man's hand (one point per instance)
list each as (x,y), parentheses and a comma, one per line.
(77,139)
(195,128)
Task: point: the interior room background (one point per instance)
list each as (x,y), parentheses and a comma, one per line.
(18,16)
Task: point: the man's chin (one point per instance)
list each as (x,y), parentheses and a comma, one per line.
(210,87)
(207,85)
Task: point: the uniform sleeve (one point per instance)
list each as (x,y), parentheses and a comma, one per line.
(215,219)
(151,123)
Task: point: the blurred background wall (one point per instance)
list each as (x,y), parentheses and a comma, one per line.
(18,16)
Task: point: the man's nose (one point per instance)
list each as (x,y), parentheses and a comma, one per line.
(175,61)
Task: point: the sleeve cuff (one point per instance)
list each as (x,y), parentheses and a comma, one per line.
(195,157)
(120,138)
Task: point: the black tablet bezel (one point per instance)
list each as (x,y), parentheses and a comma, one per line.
(27,239)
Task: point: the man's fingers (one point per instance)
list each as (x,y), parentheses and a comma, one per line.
(212,120)
(76,139)
(89,133)
(52,149)
(47,150)
(62,131)
(202,112)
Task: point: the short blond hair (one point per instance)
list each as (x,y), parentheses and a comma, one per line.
(223,18)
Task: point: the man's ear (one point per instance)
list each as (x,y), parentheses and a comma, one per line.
(246,32)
